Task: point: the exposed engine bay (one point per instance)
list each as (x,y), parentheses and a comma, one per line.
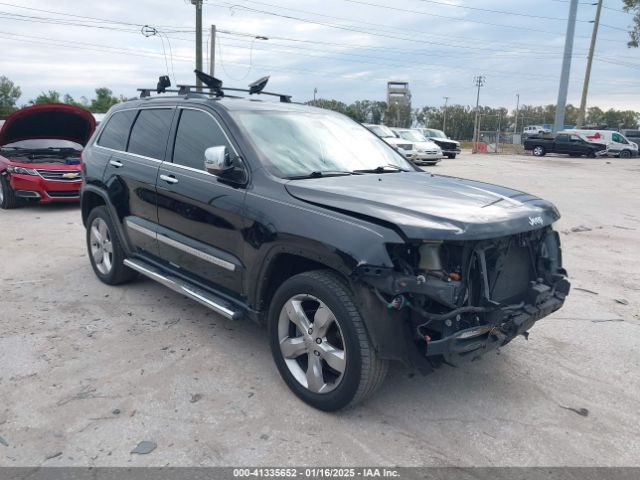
(64,156)
(464,298)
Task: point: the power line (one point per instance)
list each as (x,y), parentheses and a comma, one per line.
(488,10)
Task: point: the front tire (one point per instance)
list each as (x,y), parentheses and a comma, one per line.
(451,155)
(625,154)
(104,249)
(539,151)
(8,197)
(319,342)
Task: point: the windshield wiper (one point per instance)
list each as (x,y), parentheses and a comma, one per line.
(320,174)
(382,169)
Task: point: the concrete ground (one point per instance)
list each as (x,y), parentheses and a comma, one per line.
(88,371)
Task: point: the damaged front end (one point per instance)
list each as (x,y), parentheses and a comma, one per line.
(461,299)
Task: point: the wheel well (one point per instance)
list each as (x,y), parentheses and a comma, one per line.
(285,266)
(90,200)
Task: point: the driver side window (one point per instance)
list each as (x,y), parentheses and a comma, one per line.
(196,132)
(618,138)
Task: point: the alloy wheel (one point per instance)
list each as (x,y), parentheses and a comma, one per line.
(101,246)
(311,343)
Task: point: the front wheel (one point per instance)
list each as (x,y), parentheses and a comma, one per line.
(451,155)
(8,197)
(539,151)
(319,343)
(625,154)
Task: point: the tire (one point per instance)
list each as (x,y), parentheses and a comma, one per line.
(8,197)
(451,155)
(625,154)
(539,151)
(592,155)
(104,249)
(347,368)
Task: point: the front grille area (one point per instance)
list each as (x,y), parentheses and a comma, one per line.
(60,175)
(65,194)
(446,145)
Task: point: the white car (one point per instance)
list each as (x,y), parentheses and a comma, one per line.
(428,152)
(449,147)
(405,148)
(534,130)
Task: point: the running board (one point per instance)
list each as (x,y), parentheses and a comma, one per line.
(215,303)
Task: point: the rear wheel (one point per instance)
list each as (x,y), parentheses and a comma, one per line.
(539,151)
(319,342)
(105,252)
(8,197)
(625,154)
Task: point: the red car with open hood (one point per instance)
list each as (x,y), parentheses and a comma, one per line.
(40,149)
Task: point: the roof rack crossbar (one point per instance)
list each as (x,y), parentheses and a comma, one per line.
(146,92)
(219,91)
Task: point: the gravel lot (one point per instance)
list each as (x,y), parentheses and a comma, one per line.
(88,371)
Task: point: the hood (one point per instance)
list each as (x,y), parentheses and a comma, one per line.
(50,121)
(397,141)
(427,207)
(426,145)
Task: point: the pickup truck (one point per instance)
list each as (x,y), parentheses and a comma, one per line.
(565,143)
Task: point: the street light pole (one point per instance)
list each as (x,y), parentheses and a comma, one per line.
(212,52)
(479,82)
(515,127)
(198,5)
(444,120)
(587,75)
(566,68)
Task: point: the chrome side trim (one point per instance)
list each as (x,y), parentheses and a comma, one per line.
(181,246)
(182,288)
(141,229)
(197,253)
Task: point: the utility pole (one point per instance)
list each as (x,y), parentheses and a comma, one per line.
(566,68)
(212,52)
(198,5)
(587,75)
(315,91)
(515,127)
(444,120)
(479,82)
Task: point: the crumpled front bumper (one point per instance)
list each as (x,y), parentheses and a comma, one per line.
(505,325)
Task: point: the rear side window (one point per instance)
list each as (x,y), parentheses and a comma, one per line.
(197,131)
(116,131)
(150,133)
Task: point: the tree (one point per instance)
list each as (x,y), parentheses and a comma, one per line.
(9,95)
(633,6)
(104,100)
(69,100)
(397,115)
(50,97)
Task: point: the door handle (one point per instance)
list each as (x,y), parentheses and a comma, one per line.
(168,179)
(116,163)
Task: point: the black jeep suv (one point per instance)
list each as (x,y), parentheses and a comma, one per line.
(301,219)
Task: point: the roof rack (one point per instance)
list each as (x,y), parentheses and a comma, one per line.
(214,86)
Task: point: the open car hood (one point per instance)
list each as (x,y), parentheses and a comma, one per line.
(51,121)
(426,207)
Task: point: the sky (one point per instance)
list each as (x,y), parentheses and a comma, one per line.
(346,49)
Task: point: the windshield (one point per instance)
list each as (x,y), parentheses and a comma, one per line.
(41,143)
(435,133)
(412,136)
(298,143)
(381,131)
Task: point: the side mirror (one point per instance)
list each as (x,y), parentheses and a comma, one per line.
(217,161)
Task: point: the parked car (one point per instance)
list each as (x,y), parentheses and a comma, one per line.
(632,135)
(450,148)
(406,148)
(534,131)
(566,144)
(40,154)
(298,218)
(427,152)
(616,143)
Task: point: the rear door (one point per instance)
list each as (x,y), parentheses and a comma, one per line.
(130,176)
(562,144)
(200,217)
